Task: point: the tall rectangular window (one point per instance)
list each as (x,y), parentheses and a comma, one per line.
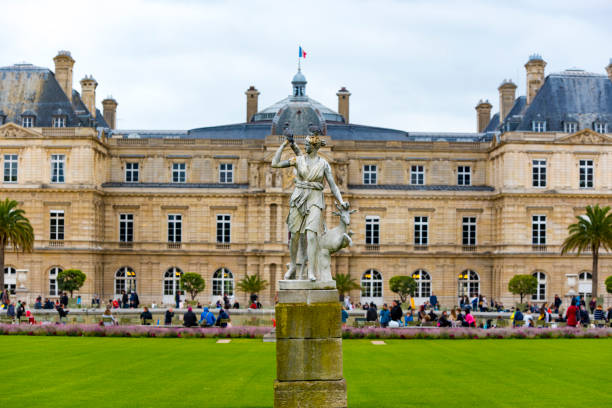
(179,172)
(372,232)
(469,230)
(10,168)
(58,162)
(538,173)
(175,222)
(126,227)
(56,225)
(369,174)
(224,227)
(538,126)
(586,173)
(226,173)
(59,121)
(464,175)
(420,231)
(570,127)
(132,172)
(600,127)
(27,121)
(538,230)
(417,175)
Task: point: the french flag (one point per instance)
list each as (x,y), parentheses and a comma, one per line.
(302,53)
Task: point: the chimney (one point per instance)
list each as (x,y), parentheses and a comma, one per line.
(252,95)
(535,75)
(507,91)
(609,69)
(483,114)
(63,72)
(109,109)
(343,103)
(88,94)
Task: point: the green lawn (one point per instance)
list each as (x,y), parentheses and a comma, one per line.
(122,372)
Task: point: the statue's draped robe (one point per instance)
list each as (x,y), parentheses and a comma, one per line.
(307,202)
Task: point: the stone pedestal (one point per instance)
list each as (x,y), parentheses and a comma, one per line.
(309,346)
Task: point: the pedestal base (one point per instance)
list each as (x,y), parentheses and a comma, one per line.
(310,394)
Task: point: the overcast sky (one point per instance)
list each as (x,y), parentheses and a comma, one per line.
(410,65)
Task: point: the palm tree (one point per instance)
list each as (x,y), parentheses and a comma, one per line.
(252,284)
(15,230)
(344,284)
(592,231)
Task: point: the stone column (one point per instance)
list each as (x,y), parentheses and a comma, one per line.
(309,346)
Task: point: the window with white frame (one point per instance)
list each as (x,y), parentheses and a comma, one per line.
(175,224)
(53,272)
(538,173)
(464,175)
(538,230)
(417,174)
(226,173)
(126,227)
(58,163)
(600,127)
(586,173)
(10,168)
(125,280)
(179,172)
(372,230)
(469,231)
(423,280)
(10,279)
(468,284)
(570,127)
(585,284)
(58,122)
(172,281)
(540,294)
(224,228)
(538,126)
(223,282)
(371,285)
(370,174)
(132,172)
(27,121)
(56,225)
(420,231)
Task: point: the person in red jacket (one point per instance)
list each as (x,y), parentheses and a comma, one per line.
(572,314)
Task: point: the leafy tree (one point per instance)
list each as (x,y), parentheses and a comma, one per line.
(70,280)
(252,284)
(404,286)
(609,284)
(592,231)
(523,285)
(193,283)
(345,283)
(15,231)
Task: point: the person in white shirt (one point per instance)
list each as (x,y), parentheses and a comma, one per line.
(528,319)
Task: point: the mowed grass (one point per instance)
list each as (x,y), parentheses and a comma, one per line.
(123,372)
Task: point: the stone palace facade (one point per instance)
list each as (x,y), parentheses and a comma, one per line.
(460,212)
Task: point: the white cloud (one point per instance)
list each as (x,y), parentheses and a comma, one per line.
(411,65)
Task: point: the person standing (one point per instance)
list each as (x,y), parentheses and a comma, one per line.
(10,312)
(20,310)
(146,317)
(371,315)
(593,304)
(573,314)
(396,312)
(168,316)
(385,316)
(599,314)
(433,300)
(177,298)
(558,303)
(64,300)
(344,316)
(125,301)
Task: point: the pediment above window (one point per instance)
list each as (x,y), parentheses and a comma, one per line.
(14,131)
(585,136)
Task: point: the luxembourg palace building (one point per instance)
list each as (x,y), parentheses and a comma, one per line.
(460,212)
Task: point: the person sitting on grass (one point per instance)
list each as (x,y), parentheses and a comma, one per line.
(223,319)
(468,320)
(146,316)
(207,318)
(189,318)
(443,320)
(168,316)
(108,319)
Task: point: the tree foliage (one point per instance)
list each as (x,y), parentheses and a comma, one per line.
(345,283)
(592,231)
(70,280)
(404,286)
(193,283)
(15,231)
(523,285)
(252,284)
(609,284)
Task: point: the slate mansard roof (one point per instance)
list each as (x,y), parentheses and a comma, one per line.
(569,96)
(28,89)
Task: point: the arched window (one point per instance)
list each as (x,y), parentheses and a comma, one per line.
(10,279)
(468,283)
(172,282)
(585,284)
(540,294)
(125,279)
(223,282)
(53,272)
(423,281)
(371,287)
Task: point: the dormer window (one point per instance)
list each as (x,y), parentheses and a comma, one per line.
(600,127)
(27,121)
(59,121)
(538,126)
(570,127)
